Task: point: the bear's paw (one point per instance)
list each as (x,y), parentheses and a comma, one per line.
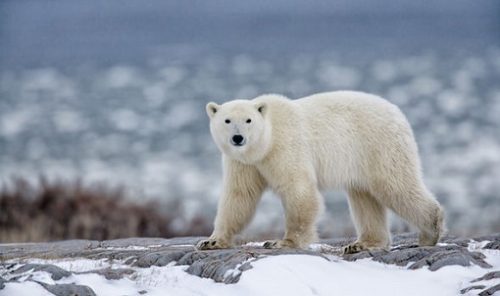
(280,244)
(212,244)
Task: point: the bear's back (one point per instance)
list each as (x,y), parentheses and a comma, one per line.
(347,131)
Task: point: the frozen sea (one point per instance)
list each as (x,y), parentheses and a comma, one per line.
(115,93)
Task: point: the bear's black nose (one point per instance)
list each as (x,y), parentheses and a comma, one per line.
(237,140)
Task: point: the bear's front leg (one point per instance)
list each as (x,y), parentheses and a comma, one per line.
(243,187)
(301,201)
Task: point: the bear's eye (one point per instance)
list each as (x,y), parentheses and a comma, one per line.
(249,120)
(227,121)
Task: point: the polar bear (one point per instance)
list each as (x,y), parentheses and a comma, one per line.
(346,140)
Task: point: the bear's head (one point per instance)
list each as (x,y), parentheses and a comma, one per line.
(240,129)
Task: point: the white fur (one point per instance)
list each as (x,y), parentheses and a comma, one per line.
(346,140)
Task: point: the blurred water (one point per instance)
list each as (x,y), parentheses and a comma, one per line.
(117,92)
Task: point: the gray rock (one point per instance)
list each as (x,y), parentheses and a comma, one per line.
(56,273)
(69,248)
(494,241)
(148,242)
(476,287)
(433,257)
(220,266)
(402,257)
(112,273)
(442,258)
(488,276)
(490,290)
(487,291)
(364,254)
(462,242)
(159,258)
(191,257)
(113,254)
(489,237)
(226,265)
(494,245)
(2,282)
(69,289)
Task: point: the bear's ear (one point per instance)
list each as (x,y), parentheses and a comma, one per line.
(212,108)
(261,107)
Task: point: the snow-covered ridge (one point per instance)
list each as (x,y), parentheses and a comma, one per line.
(154,266)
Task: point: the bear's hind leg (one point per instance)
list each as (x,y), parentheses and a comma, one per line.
(421,209)
(370,220)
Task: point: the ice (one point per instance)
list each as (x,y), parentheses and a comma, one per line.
(125,119)
(121,76)
(339,77)
(13,123)
(67,120)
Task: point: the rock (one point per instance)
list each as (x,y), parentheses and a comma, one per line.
(495,245)
(363,255)
(476,287)
(150,242)
(191,257)
(442,258)
(402,257)
(490,290)
(2,283)
(488,276)
(494,241)
(69,248)
(227,265)
(114,254)
(159,258)
(489,237)
(433,257)
(112,273)
(56,273)
(222,267)
(69,289)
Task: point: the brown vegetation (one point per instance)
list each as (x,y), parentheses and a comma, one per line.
(56,210)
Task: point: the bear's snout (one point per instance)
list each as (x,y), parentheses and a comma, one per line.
(238,140)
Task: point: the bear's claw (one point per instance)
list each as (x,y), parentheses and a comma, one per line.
(279,244)
(270,244)
(211,244)
(359,246)
(353,248)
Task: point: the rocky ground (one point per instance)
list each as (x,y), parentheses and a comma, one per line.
(19,261)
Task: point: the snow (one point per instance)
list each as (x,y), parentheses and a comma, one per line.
(273,275)
(24,289)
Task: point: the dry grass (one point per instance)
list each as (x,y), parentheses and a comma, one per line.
(56,210)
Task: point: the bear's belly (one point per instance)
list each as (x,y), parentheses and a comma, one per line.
(337,169)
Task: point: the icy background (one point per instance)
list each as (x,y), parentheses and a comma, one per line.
(115,91)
